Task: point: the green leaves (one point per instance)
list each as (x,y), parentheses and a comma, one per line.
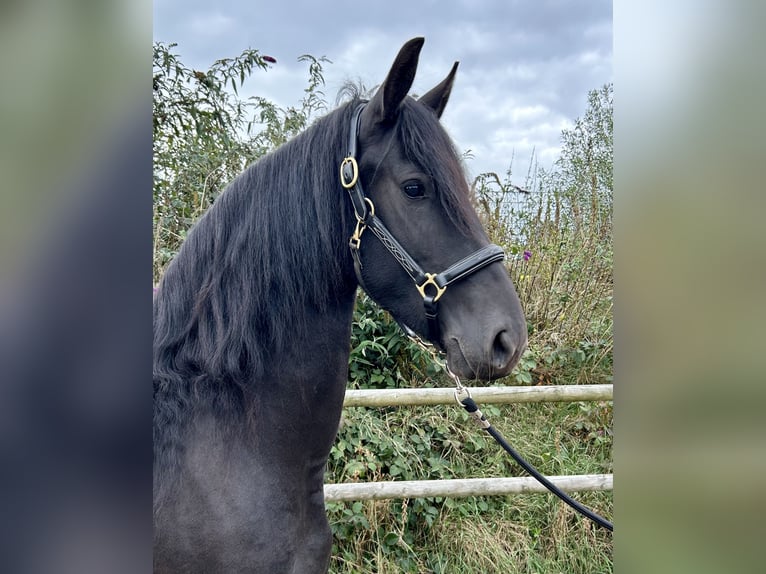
(205,134)
(381,354)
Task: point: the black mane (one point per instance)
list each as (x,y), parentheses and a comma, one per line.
(230,292)
(275,237)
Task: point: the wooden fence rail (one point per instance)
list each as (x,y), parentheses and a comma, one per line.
(461,487)
(456,488)
(482,395)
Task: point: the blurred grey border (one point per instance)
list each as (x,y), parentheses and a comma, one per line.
(690,252)
(75,270)
(75,278)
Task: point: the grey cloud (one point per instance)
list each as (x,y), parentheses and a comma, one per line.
(514,55)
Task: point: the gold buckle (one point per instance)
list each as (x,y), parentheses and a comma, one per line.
(356,239)
(431,280)
(355,170)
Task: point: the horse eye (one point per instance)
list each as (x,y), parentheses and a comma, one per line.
(414,189)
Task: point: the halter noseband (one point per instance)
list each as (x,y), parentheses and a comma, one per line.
(431,286)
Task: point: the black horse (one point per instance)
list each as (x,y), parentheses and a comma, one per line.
(252,322)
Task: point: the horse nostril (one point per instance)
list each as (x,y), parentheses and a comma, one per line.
(502,350)
(506,351)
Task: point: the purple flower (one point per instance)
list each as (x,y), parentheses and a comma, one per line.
(527,255)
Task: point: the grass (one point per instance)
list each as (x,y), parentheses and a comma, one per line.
(528,533)
(519,533)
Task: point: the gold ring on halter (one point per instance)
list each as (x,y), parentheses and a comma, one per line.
(354,170)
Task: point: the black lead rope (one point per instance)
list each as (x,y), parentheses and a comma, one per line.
(470,405)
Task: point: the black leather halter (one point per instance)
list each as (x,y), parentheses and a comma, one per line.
(431,286)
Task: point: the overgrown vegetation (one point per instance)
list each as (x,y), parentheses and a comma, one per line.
(205,134)
(556,228)
(558,235)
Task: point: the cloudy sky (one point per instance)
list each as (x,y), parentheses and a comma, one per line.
(525,67)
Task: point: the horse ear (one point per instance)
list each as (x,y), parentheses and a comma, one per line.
(437,97)
(386,101)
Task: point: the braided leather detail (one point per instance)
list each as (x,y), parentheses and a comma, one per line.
(400,254)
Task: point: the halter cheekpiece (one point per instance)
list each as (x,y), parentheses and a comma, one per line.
(431,286)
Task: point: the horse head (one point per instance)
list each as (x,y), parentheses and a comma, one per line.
(431,265)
